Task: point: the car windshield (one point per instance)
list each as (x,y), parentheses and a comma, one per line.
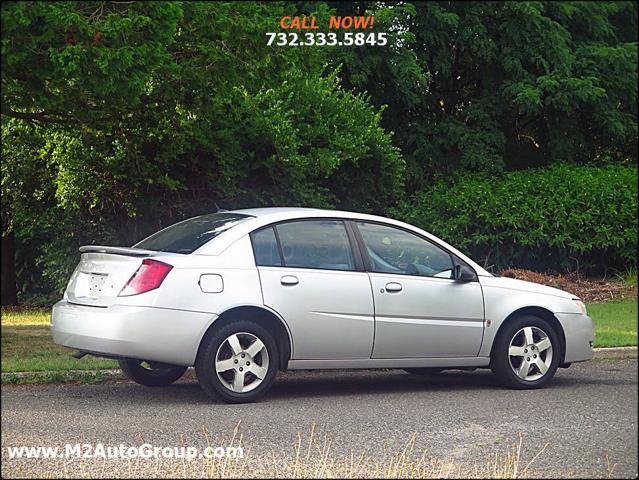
(189,235)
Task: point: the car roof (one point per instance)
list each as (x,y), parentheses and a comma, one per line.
(302,212)
(264,211)
(268,215)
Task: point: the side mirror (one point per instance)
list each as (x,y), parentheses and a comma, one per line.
(462,273)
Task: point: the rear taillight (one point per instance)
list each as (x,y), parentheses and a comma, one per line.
(148,276)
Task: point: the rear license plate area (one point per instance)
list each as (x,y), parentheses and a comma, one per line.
(98,286)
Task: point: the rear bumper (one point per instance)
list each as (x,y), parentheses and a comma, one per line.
(146,333)
(579,331)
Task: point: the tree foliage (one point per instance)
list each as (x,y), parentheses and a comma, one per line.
(491,86)
(119,118)
(175,109)
(555,218)
(82,63)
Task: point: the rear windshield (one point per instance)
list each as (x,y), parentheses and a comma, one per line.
(191,234)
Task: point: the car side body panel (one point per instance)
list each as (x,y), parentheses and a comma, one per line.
(448,362)
(331,321)
(422,320)
(329,313)
(239,278)
(505,296)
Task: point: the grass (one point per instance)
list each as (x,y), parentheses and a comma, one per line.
(615,323)
(14,316)
(27,344)
(629,277)
(29,348)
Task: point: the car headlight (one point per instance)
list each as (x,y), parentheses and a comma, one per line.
(580,305)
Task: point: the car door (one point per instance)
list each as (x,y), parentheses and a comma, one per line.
(313,277)
(420,310)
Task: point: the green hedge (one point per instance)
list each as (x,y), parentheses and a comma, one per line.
(557,218)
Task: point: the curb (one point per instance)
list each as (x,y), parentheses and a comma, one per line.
(69,376)
(616,352)
(63,376)
(111,372)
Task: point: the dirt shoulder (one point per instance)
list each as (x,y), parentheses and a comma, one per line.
(590,290)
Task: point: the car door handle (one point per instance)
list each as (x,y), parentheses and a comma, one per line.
(393,287)
(289,280)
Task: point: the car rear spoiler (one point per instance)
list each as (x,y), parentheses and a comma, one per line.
(132,252)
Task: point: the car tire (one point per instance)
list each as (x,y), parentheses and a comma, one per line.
(526,353)
(425,371)
(153,375)
(232,366)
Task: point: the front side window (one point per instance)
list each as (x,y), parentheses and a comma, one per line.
(321,244)
(392,250)
(191,234)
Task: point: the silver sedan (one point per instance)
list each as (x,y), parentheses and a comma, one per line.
(243,294)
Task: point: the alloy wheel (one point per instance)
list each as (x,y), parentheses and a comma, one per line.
(241,362)
(530,353)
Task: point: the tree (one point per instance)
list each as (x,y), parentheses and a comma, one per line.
(510,84)
(81,63)
(66,68)
(170,110)
(119,118)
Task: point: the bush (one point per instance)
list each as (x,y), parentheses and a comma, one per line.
(557,218)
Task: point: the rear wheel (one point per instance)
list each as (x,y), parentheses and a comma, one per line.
(238,362)
(424,371)
(151,374)
(526,353)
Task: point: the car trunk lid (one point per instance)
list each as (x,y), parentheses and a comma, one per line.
(102,274)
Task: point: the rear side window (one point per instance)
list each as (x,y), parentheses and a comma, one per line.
(191,234)
(267,253)
(321,244)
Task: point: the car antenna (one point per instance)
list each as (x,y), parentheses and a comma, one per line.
(218,209)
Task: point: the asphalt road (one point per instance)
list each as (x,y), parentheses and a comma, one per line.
(588,417)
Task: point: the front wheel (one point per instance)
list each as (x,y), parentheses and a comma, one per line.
(150,374)
(526,353)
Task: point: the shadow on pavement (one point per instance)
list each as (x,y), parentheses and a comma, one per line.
(303,384)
